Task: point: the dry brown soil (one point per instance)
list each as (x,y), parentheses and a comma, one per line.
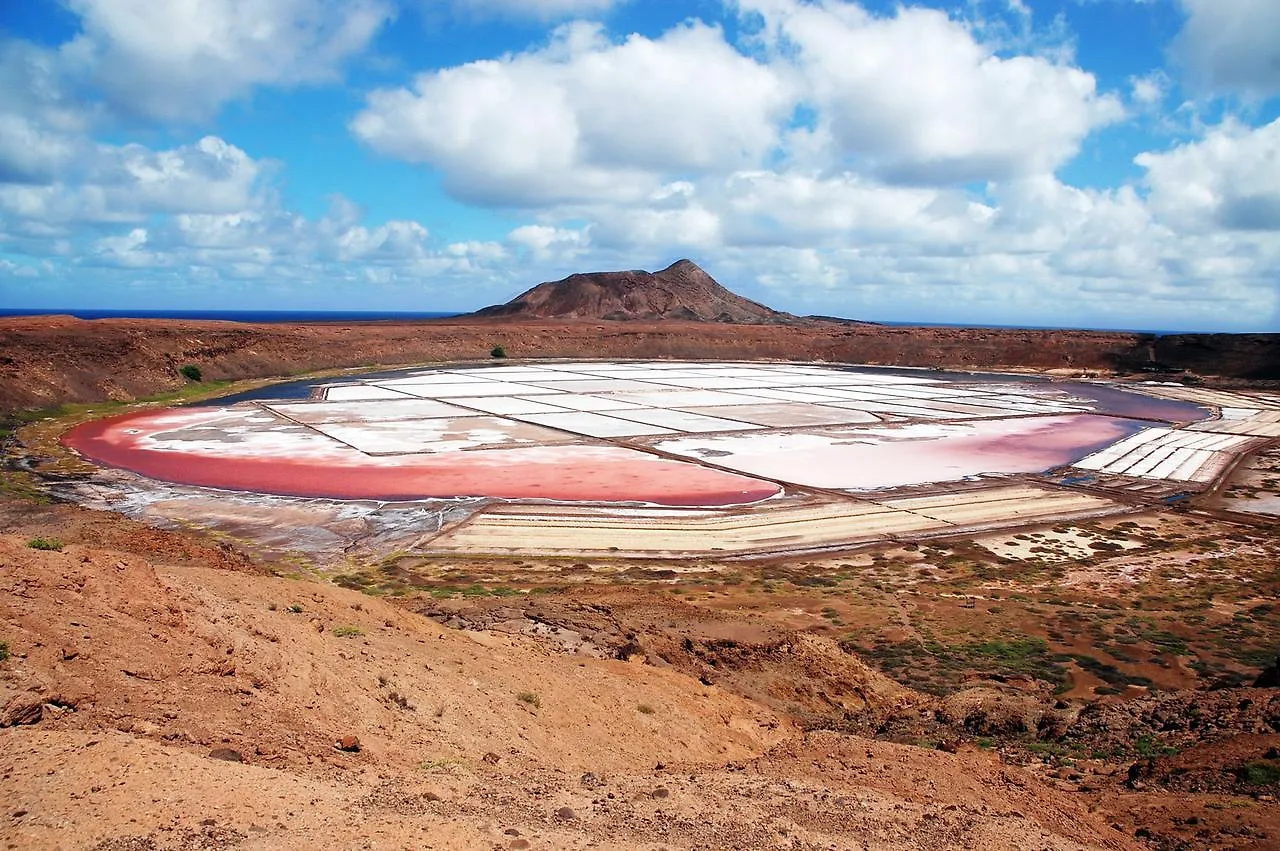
(165,690)
(690,720)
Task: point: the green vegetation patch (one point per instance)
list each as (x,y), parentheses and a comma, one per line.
(1263,772)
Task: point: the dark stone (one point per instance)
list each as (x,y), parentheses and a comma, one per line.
(1270,677)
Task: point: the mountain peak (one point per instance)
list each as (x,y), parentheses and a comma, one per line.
(683,290)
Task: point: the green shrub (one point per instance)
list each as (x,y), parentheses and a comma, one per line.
(347,631)
(530,698)
(1261,773)
(4,651)
(498,352)
(191,372)
(645,709)
(50,544)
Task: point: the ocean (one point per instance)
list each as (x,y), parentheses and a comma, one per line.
(270,316)
(266,316)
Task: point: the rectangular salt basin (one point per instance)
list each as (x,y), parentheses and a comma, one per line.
(495,371)
(790,395)
(1249,427)
(501,373)
(648,375)
(594,385)
(553,377)
(594,425)
(845,393)
(732,372)
(400,408)
(488,388)
(438,435)
(507,405)
(717,383)
(360,393)
(841,378)
(786,416)
(592,367)
(574,402)
(669,364)
(687,398)
(428,379)
(683,421)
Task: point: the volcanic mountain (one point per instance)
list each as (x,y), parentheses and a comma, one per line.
(680,291)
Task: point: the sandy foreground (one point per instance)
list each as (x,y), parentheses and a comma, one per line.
(187,702)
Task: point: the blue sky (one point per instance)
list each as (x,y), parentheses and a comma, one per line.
(1085,163)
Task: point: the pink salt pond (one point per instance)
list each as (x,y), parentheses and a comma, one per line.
(164,446)
(865,458)
(663,433)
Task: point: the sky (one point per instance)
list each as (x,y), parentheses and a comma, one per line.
(1063,163)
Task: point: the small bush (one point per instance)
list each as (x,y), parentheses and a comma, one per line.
(191,372)
(645,709)
(498,352)
(296,609)
(347,631)
(50,544)
(530,698)
(1262,773)
(4,651)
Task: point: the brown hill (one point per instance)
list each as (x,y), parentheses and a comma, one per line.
(680,291)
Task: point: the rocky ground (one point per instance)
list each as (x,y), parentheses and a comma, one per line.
(161,691)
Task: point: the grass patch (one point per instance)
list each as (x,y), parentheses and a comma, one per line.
(4,651)
(49,544)
(347,631)
(530,699)
(1146,746)
(1261,773)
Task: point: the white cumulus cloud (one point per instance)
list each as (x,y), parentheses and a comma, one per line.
(110,183)
(182,59)
(584,117)
(1229,179)
(1231,46)
(916,98)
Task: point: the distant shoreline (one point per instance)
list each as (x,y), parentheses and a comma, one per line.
(282,317)
(271,317)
